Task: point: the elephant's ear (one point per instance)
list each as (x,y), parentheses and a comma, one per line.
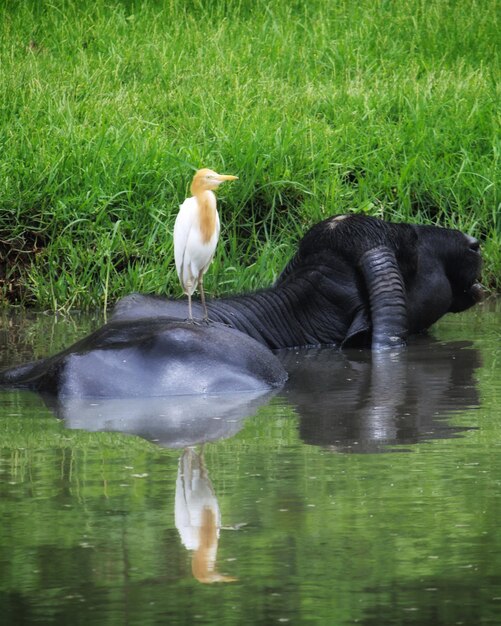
(388,306)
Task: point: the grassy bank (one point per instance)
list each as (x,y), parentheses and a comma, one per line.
(323,107)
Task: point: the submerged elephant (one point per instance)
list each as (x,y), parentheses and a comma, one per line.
(354,281)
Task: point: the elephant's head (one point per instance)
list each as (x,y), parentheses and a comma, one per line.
(446,278)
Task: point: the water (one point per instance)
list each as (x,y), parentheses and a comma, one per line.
(367,491)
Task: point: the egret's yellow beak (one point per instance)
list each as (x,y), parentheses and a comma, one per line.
(223,177)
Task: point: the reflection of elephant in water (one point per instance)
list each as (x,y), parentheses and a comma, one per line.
(354,280)
(173,422)
(360,401)
(197,516)
(353,400)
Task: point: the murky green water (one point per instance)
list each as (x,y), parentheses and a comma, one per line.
(366,492)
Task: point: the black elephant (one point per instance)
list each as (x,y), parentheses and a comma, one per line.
(354,281)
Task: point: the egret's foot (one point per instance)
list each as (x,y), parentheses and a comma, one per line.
(200,321)
(205,320)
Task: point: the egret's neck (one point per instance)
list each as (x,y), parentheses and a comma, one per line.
(207,213)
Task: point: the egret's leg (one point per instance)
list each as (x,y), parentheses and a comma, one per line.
(188,291)
(202,296)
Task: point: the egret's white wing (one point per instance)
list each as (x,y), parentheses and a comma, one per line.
(212,244)
(186,220)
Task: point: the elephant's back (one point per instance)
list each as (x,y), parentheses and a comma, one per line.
(155,357)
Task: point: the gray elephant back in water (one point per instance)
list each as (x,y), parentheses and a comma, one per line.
(160,357)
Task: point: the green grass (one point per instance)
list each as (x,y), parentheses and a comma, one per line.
(320,107)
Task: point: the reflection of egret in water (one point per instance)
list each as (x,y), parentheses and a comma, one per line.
(197,516)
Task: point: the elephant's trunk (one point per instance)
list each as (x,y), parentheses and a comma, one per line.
(387,298)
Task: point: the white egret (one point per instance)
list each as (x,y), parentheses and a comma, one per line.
(196,233)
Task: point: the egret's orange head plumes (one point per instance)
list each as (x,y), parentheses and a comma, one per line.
(206,179)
